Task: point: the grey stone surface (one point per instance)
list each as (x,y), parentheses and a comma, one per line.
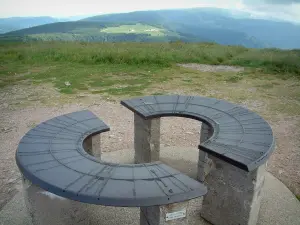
(44,207)
(159,215)
(241,137)
(205,164)
(234,195)
(146,139)
(51,156)
(233,140)
(278,207)
(92,145)
(147,149)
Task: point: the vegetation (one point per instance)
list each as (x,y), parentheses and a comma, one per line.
(130,68)
(85,31)
(136,28)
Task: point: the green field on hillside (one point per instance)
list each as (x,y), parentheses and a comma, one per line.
(137,28)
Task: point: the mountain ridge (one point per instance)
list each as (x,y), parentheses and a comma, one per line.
(190,25)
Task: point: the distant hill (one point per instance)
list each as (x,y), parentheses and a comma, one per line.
(17,23)
(189,25)
(213,23)
(91,31)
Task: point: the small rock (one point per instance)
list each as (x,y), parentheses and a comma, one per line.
(67,83)
(189,132)
(12,180)
(280,172)
(6,130)
(111,136)
(5,105)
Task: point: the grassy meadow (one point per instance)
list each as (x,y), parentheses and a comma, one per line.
(117,70)
(130,68)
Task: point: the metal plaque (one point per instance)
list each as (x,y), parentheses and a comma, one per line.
(176,215)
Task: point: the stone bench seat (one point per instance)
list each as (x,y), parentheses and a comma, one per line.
(235,144)
(239,136)
(52,156)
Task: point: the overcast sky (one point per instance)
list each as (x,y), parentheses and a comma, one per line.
(284,9)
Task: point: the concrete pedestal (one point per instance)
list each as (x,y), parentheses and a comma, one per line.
(234,195)
(172,214)
(92,145)
(47,208)
(146,139)
(205,164)
(147,147)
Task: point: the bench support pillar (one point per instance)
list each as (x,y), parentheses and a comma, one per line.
(146,139)
(205,164)
(234,195)
(92,146)
(47,208)
(165,214)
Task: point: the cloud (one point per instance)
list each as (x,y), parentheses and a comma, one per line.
(276,9)
(271,2)
(284,2)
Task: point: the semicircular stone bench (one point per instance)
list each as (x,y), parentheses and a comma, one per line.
(235,144)
(58,157)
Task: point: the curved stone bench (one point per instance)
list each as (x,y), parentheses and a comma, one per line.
(52,157)
(234,140)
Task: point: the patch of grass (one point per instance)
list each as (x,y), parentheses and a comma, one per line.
(187,80)
(67,90)
(233,79)
(157,93)
(31,124)
(136,28)
(283,63)
(266,86)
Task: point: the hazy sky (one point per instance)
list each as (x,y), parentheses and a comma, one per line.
(286,9)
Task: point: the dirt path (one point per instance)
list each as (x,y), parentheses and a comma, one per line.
(212,68)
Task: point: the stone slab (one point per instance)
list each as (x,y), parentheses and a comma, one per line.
(52,156)
(240,136)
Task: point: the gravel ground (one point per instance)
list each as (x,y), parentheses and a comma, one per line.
(212,68)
